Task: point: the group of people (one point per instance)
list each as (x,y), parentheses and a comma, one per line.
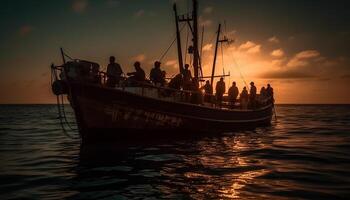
(246,99)
(185,81)
(115,72)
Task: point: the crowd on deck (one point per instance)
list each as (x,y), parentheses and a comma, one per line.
(186,82)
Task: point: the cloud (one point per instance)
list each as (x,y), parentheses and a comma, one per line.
(278,62)
(231,33)
(170,62)
(25,30)
(140,57)
(303,58)
(207,47)
(250,47)
(274,39)
(255,49)
(286,74)
(277,53)
(208,10)
(79,6)
(204,22)
(139,13)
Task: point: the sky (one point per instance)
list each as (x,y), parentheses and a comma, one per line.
(301,47)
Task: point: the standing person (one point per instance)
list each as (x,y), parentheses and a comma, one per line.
(233,94)
(114,72)
(263,92)
(208,91)
(196,95)
(187,78)
(244,98)
(176,82)
(220,90)
(137,77)
(269,93)
(156,74)
(252,95)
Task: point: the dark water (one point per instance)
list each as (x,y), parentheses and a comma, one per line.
(306,155)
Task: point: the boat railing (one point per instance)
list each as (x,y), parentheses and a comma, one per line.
(197,96)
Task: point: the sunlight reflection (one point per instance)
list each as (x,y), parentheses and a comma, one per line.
(232,170)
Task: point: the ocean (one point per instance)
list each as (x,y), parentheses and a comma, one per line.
(305,154)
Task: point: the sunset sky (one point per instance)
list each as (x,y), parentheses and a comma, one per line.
(301,47)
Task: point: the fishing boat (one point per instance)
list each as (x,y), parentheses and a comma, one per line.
(107,113)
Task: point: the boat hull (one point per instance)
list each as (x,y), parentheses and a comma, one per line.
(104,114)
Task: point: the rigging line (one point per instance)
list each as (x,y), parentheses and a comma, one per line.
(172,43)
(65,54)
(64,115)
(65,120)
(240,73)
(60,117)
(222,59)
(186,43)
(225,30)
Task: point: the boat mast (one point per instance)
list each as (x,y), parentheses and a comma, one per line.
(215,54)
(195,38)
(62,54)
(178,39)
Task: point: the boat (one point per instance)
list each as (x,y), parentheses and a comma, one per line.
(130,110)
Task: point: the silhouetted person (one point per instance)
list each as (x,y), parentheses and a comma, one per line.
(263,92)
(220,90)
(156,74)
(252,95)
(244,98)
(137,77)
(175,84)
(208,91)
(187,78)
(114,72)
(233,94)
(269,92)
(196,96)
(96,78)
(164,78)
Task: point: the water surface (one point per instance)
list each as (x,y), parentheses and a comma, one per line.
(305,155)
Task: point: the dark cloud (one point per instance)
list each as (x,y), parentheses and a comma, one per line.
(25,30)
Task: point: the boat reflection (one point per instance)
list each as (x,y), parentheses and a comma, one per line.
(210,167)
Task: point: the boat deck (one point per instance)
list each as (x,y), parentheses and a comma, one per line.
(181,96)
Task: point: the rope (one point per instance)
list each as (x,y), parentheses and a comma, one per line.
(186,44)
(64,116)
(240,73)
(167,50)
(222,59)
(60,106)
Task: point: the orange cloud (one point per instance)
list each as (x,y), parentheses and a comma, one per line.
(277,53)
(303,58)
(207,47)
(140,57)
(274,39)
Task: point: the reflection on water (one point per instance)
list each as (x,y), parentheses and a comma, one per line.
(304,155)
